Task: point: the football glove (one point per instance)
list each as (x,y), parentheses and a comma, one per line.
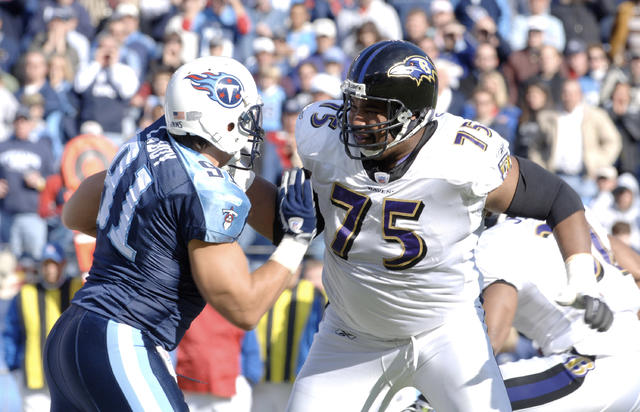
(296,209)
(597,313)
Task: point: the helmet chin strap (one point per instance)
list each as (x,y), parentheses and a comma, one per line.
(402,134)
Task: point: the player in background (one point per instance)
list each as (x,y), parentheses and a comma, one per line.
(402,191)
(589,356)
(166,218)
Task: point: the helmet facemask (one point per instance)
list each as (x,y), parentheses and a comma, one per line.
(249,124)
(401,124)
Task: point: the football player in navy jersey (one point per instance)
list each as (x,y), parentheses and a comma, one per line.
(166,217)
(402,190)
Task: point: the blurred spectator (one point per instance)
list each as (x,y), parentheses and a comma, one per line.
(381,14)
(210,374)
(7,111)
(106,83)
(363,36)
(266,19)
(449,99)
(485,60)
(35,70)
(335,63)
(263,55)
(283,141)
(136,48)
(457,46)
(598,68)
(577,141)
(627,121)
(607,181)
(9,48)
(405,8)
(24,167)
(301,37)
(416,25)
(622,231)
(551,26)
(285,334)
(578,19)
(10,283)
(325,87)
(228,21)
(273,97)
(441,15)
(61,75)
(185,19)
(54,39)
(536,98)
(171,54)
(625,207)
(42,132)
(325,31)
(468,12)
(625,36)
(31,316)
(629,73)
(305,73)
(81,22)
(485,31)
(487,112)
(552,72)
(524,64)
(428,44)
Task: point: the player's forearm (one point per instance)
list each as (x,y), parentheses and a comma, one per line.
(263,203)
(572,235)
(500,303)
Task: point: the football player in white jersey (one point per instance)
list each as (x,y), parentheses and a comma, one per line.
(591,358)
(402,191)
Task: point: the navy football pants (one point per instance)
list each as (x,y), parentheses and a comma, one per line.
(95,364)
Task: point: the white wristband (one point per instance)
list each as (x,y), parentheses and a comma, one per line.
(289,253)
(581,274)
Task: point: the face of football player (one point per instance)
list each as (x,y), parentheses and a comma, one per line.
(366,112)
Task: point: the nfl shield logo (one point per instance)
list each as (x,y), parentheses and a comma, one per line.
(381,177)
(295,224)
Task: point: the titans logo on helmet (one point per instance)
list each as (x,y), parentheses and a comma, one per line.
(414,67)
(222,87)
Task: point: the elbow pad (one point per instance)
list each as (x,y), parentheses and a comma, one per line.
(542,195)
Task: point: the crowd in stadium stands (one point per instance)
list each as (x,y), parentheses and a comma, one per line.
(559,79)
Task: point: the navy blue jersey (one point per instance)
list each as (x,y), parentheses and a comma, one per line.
(158,195)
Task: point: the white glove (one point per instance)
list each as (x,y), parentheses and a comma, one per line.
(581,280)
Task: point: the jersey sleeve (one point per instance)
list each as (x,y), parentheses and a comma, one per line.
(214,209)
(493,162)
(314,123)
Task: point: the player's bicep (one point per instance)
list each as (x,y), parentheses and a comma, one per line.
(81,210)
(500,303)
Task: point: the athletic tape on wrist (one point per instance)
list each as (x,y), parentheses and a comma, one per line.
(289,253)
(581,273)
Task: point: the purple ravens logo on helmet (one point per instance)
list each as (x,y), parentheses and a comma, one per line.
(222,87)
(414,67)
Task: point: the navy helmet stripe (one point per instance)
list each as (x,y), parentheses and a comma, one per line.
(367,62)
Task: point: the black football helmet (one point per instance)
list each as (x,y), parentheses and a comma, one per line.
(400,74)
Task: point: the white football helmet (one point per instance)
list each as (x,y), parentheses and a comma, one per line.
(216,99)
